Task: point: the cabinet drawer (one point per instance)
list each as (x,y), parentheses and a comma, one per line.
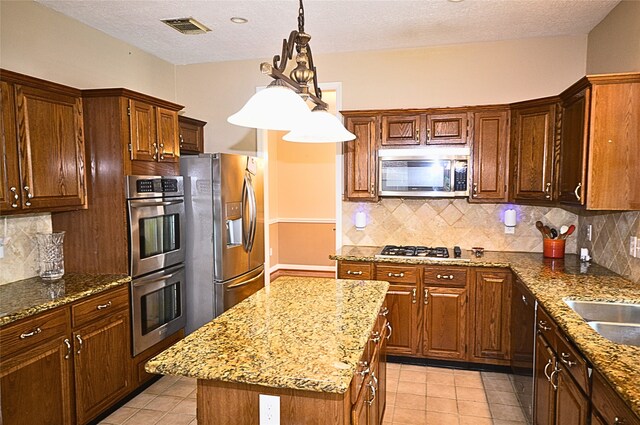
(449,276)
(572,361)
(609,405)
(29,332)
(397,274)
(354,270)
(546,327)
(99,306)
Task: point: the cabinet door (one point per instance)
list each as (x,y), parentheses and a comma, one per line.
(492,295)
(445,318)
(573,167)
(142,125)
(571,405)
(447,129)
(382,369)
(401,130)
(102,365)
(490,156)
(10,191)
(35,387)
(544,394)
(360,159)
(533,152)
(168,135)
(51,149)
(360,409)
(402,302)
(191,135)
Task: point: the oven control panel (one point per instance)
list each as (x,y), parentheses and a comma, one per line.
(154,186)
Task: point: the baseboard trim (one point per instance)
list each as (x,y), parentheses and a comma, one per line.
(301,270)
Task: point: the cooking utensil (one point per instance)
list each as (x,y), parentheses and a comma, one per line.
(563,229)
(540,227)
(554,233)
(570,230)
(547,231)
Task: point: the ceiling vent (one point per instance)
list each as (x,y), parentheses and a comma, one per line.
(187,25)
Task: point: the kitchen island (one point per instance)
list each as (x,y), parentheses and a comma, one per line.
(301,339)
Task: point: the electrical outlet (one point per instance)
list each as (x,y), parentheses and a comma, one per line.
(509,230)
(269,409)
(633,244)
(589,232)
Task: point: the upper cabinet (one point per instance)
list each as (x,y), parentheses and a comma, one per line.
(448,128)
(42,146)
(533,141)
(490,156)
(154,132)
(402,129)
(600,138)
(360,158)
(429,127)
(191,135)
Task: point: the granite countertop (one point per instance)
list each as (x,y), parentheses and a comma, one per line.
(298,333)
(551,281)
(31,296)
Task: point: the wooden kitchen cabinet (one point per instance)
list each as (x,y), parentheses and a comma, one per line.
(608,407)
(191,135)
(445,317)
(360,158)
(403,129)
(448,128)
(533,150)
(572,182)
(42,146)
(544,395)
(354,270)
(492,316)
(154,132)
(490,156)
(572,406)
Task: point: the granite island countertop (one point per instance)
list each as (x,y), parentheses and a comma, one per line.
(297,333)
(29,297)
(551,282)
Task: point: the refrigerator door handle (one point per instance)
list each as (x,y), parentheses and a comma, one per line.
(245,201)
(254,215)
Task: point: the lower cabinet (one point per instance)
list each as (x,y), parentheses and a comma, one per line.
(445,318)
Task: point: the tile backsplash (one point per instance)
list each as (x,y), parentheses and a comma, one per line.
(449,222)
(609,245)
(20,259)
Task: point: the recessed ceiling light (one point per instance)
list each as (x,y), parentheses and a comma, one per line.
(238,20)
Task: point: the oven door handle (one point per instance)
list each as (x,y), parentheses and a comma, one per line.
(137,204)
(145,282)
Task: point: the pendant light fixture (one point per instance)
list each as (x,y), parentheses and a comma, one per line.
(282,105)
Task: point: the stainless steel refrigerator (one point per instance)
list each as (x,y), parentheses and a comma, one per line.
(224,205)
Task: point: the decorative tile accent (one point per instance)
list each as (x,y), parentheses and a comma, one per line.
(449,222)
(20,255)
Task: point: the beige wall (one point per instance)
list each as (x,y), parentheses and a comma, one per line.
(614,44)
(37,41)
(468,74)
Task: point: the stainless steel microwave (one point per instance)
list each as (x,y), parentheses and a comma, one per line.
(424,172)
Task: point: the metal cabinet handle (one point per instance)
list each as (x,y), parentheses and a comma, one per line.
(428,135)
(79,342)
(445,276)
(36,331)
(372,188)
(103,306)
(564,358)
(384,312)
(542,325)
(578,192)
(372,386)
(395,274)
(524,300)
(547,191)
(68,344)
(547,367)
(181,140)
(155,150)
(426,296)
(14,204)
(618,421)
(475,190)
(413,295)
(417,134)
(354,273)
(161,150)
(375,336)
(365,370)
(29,196)
(556,371)
(388,325)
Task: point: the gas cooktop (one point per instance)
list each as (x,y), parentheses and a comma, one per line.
(397,251)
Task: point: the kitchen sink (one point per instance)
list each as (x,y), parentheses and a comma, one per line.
(622,333)
(603,311)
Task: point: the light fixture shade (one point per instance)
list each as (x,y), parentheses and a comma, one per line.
(319,127)
(277,107)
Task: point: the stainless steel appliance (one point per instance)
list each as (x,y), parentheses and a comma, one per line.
(440,253)
(424,172)
(523,336)
(156,219)
(225,233)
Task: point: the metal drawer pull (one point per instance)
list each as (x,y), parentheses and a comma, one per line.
(565,359)
(36,331)
(542,325)
(14,204)
(390,330)
(445,276)
(372,386)
(79,342)
(395,274)
(618,421)
(426,296)
(413,295)
(29,196)
(103,306)
(68,344)
(524,300)
(354,273)
(375,336)
(384,312)
(366,369)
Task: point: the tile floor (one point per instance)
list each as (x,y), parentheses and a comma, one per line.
(416,395)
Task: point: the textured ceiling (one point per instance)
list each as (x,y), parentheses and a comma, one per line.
(335,25)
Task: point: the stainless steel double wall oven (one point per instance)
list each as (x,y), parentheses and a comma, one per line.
(156,219)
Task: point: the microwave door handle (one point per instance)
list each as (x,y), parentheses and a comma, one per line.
(137,204)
